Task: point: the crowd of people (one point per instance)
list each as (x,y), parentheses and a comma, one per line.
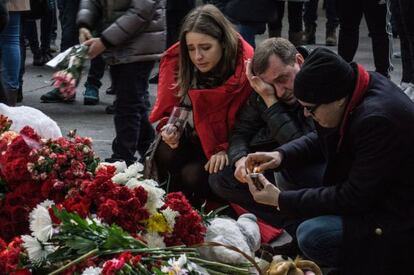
(332,143)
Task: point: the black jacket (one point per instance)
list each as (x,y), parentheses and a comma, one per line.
(369,180)
(260,128)
(4,15)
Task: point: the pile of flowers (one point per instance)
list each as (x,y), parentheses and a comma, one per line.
(78,215)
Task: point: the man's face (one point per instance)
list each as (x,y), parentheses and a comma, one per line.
(282,77)
(326,115)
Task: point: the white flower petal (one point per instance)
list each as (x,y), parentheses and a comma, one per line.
(154,240)
(92,271)
(36,250)
(170,216)
(41,223)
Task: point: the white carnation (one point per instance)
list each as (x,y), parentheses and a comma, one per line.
(36,250)
(155,194)
(154,240)
(120,178)
(170,216)
(41,222)
(92,271)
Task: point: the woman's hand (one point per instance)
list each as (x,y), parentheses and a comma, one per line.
(217,162)
(269,195)
(170,136)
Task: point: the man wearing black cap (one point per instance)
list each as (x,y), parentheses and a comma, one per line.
(362,218)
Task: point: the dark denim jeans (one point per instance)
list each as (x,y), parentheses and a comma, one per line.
(133,130)
(68,10)
(10,52)
(310,14)
(320,239)
(96,72)
(249,31)
(294,16)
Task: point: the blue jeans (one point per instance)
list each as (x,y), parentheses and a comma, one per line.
(133,130)
(320,239)
(10,52)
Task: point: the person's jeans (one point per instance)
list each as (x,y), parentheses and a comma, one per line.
(68,10)
(96,72)
(10,52)
(249,31)
(350,15)
(310,14)
(133,130)
(320,239)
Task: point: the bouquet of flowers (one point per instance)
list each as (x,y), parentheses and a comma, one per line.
(72,62)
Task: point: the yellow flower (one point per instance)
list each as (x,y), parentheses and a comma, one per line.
(157,223)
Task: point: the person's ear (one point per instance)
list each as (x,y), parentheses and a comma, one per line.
(299,59)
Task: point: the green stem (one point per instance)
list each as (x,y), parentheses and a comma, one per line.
(78,260)
(218,264)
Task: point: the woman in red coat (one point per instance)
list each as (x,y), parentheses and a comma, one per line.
(204,72)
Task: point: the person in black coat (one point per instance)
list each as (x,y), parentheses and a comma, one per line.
(362,218)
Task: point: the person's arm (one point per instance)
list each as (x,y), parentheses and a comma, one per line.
(247,125)
(378,152)
(135,19)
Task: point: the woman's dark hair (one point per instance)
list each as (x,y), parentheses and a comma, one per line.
(207,20)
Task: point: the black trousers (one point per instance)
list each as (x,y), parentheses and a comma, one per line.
(133,130)
(295,10)
(350,15)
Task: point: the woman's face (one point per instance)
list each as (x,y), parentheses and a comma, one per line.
(205,51)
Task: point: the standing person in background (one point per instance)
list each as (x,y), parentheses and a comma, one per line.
(132,37)
(204,72)
(310,16)
(4,19)
(10,49)
(295,11)
(350,14)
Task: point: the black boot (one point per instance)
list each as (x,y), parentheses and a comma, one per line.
(275,32)
(309,35)
(296,38)
(331,39)
(20,95)
(12,95)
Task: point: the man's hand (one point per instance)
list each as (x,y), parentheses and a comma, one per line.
(170,136)
(240,172)
(265,90)
(263,161)
(84,34)
(269,195)
(96,47)
(217,162)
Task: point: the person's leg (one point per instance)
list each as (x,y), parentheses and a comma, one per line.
(407,23)
(248,32)
(310,15)
(350,15)
(30,32)
(10,50)
(332,22)
(147,133)
(295,10)
(375,16)
(68,12)
(320,239)
(53,37)
(275,25)
(46,28)
(130,82)
(93,83)
(22,61)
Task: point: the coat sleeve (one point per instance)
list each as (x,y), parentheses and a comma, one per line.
(89,13)
(134,21)
(377,157)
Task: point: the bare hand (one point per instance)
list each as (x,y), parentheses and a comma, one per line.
(269,195)
(265,90)
(240,172)
(84,34)
(263,161)
(217,162)
(170,136)
(96,47)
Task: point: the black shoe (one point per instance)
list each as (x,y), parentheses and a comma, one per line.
(38,59)
(20,95)
(154,79)
(110,91)
(54,96)
(110,110)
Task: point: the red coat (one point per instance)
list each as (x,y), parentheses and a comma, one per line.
(214,110)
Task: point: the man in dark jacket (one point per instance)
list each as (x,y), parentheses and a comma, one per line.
(362,218)
(271,117)
(132,37)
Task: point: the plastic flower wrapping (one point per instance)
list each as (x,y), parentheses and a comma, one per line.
(64,212)
(71,63)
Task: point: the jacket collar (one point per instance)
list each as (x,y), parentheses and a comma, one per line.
(361,88)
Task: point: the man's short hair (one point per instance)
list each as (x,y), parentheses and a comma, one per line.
(278,46)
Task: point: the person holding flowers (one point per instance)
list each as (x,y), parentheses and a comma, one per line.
(205,72)
(132,38)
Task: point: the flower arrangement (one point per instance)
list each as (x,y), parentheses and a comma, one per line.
(76,215)
(72,61)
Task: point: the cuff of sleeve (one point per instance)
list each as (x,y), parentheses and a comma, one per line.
(106,43)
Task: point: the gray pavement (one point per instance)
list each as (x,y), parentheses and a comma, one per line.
(92,121)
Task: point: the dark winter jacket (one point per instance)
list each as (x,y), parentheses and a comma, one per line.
(132,30)
(259,128)
(369,178)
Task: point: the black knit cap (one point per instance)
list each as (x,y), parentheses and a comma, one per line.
(324,78)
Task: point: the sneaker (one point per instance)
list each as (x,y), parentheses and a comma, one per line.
(54,96)
(91,95)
